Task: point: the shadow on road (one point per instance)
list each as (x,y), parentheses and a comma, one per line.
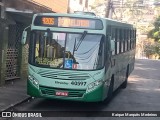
(60,105)
(147,69)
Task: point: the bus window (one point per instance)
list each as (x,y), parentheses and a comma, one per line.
(126,34)
(117,41)
(113,36)
(90,57)
(132,39)
(49,49)
(128,39)
(57,50)
(122,41)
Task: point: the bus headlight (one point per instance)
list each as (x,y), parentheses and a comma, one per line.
(92,86)
(33,80)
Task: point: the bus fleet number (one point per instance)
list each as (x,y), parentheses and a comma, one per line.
(79,83)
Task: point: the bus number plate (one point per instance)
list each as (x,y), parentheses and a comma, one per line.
(78,83)
(60,93)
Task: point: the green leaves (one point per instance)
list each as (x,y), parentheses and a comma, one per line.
(152,49)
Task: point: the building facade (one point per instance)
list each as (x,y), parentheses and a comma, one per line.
(15,15)
(80,5)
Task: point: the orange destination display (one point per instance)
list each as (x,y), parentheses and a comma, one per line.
(72,22)
(68,22)
(47,21)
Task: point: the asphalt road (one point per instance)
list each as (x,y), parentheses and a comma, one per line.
(141,94)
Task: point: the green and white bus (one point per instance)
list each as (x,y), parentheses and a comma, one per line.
(78,57)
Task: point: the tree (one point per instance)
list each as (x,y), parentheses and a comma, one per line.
(155,33)
(152,49)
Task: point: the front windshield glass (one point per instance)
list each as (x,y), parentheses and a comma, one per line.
(67,50)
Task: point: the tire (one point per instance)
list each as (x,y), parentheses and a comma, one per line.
(110,91)
(124,84)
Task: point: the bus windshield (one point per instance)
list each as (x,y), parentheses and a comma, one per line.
(66,50)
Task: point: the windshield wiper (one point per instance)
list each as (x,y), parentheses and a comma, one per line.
(80,41)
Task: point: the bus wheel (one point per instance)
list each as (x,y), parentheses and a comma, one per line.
(124,84)
(110,91)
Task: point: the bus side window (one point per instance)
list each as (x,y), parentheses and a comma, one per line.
(128,39)
(132,39)
(117,41)
(122,41)
(120,38)
(113,40)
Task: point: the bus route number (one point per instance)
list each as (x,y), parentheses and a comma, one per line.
(48,21)
(78,83)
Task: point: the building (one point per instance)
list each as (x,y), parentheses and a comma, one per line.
(80,5)
(58,6)
(15,15)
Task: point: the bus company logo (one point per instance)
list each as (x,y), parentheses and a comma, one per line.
(6,114)
(57,82)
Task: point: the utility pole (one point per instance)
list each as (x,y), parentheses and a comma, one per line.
(108,9)
(68,8)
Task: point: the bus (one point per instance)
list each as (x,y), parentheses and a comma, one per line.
(78,57)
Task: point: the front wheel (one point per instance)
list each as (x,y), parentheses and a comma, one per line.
(110,91)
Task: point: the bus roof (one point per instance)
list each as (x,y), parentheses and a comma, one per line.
(77,15)
(67,15)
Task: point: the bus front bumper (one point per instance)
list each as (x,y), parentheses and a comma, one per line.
(93,96)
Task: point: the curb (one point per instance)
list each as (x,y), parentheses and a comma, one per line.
(17,103)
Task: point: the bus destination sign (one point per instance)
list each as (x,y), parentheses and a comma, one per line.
(72,22)
(68,22)
(47,21)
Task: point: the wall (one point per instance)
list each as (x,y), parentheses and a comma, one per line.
(59,6)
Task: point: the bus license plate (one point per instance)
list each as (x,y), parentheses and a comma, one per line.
(59,93)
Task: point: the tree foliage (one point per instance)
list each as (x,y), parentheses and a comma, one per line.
(155,33)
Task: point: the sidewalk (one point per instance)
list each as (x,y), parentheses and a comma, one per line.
(12,93)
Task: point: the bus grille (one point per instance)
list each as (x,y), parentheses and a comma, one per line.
(63,76)
(71,93)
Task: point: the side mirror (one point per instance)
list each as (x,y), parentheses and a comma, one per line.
(24,37)
(112,45)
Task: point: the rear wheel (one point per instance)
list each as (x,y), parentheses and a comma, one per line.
(124,84)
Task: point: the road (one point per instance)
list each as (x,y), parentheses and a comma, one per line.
(141,94)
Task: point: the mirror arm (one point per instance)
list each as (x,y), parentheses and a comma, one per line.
(26,28)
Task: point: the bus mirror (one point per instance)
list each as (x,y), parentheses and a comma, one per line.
(24,37)
(112,45)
